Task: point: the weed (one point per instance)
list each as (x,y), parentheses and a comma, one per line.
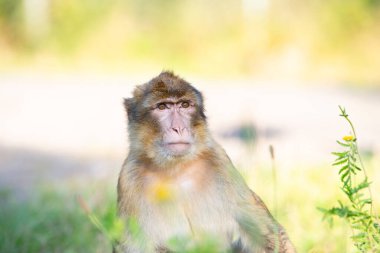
(358,209)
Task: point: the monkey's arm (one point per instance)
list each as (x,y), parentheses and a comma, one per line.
(124,206)
(259,231)
(284,244)
(127,203)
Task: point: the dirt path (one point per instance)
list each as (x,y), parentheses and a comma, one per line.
(67,126)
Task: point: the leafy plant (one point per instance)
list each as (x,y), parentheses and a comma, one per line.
(110,226)
(358,210)
(48,221)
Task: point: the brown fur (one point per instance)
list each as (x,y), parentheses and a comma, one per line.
(205,193)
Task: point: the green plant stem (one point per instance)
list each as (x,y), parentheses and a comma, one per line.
(94,219)
(99,225)
(274,178)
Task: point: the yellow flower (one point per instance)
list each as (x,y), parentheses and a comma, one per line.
(348,138)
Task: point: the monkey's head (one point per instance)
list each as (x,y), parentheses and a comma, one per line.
(166,118)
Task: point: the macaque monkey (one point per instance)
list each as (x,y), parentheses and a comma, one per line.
(177,182)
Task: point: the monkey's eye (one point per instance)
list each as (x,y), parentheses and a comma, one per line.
(185,104)
(162,106)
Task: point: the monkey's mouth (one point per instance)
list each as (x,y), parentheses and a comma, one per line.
(178,147)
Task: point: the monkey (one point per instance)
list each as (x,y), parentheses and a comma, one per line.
(178,182)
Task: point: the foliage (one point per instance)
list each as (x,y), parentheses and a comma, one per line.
(112,227)
(358,210)
(51,222)
(236,38)
(186,245)
(11,20)
(72,20)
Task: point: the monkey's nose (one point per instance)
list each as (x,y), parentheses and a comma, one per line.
(177,130)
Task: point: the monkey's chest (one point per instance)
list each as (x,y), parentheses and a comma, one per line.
(184,209)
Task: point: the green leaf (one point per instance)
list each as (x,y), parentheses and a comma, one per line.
(376,238)
(352,158)
(342,169)
(340,158)
(345,167)
(343,144)
(344,175)
(343,111)
(321,209)
(361,186)
(367,201)
(357,167)
(346,188)
(340,162)
(353,171)
(359,236)
(340,154)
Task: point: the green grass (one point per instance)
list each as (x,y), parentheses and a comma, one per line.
(51,221)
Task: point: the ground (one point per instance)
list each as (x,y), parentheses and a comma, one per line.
(69,131)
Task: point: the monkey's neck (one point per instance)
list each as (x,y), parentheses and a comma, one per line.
(173,164)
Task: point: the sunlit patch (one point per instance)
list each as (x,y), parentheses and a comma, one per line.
(161,192)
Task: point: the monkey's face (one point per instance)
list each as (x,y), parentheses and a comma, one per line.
(174,117)
(166,118)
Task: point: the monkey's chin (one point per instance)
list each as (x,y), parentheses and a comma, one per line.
(178,148)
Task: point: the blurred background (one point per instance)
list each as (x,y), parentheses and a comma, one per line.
(272,72)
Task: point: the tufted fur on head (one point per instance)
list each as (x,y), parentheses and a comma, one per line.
(163,86)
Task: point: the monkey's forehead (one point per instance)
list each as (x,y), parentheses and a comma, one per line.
(156,97)
(165,86)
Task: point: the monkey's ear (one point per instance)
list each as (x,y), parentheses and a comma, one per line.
(127,103)
(139,90)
